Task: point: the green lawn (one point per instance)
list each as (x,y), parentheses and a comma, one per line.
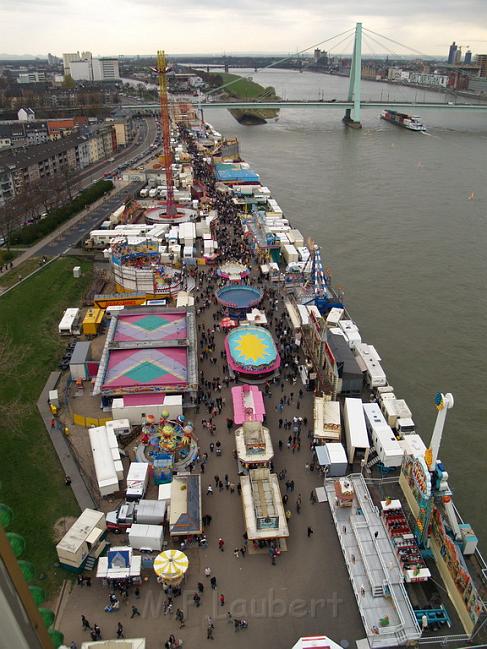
(243,88)
(31,478)
(8,278)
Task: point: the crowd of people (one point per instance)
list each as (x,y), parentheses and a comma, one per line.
(211,401)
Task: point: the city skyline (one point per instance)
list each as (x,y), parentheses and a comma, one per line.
(142,26)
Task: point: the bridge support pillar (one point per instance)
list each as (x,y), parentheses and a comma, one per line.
(355,81)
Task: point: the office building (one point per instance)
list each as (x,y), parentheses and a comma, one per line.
(468,57)
(481,60)
(458,56)
(105,69)
(81,70)
(52,60)
(68,59)
(86,68)
(31,77)
(452,53)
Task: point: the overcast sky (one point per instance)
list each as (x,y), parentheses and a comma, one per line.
(178,26)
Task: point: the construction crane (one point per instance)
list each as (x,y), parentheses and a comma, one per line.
(166,158)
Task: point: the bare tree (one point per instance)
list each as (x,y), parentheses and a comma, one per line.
(10,219)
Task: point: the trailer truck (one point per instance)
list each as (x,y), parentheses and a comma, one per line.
(355,430)
(137,479)
(145,512)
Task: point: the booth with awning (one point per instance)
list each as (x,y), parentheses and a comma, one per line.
(265,518)
(119,564)
(327,421)
(254,445)
(248,404)
(185,508)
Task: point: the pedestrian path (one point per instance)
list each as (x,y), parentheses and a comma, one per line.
(70,467)
(376,576)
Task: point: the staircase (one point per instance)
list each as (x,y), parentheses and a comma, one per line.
(375,459)
(90,563)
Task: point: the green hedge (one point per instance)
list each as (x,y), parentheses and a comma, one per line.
(29,234)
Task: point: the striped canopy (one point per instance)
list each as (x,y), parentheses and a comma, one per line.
(171,564)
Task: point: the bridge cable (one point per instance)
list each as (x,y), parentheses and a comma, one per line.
(291,56)
(395,54)
(422,54)
(334,48)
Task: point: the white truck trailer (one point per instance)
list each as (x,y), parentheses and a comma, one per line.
(389,452)
(70,323)
(146,538)
(137,479)
(144,512)
(84,539)
(355,430)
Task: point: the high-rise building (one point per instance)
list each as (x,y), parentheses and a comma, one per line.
(81,70)
(452,53)
(468,57)
(86,68)
(105,69)
(458,56)
(68,59)
(481,60)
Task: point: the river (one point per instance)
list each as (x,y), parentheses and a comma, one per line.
(401,219)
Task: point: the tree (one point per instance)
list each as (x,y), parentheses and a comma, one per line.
(10,219)
(68,82)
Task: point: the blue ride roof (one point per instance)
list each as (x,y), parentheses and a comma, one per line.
(233,173)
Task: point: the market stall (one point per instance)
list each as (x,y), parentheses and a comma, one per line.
(170,566)
(121,565)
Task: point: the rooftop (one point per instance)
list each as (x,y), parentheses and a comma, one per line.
(26,156)
(148,349)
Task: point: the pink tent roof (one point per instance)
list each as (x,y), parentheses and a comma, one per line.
(248,404)
(145,370)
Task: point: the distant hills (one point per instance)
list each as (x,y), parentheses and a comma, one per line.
(21,57)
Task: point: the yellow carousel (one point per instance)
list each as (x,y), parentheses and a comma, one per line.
(170,566)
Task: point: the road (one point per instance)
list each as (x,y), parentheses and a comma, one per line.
(96,171)
(68,238)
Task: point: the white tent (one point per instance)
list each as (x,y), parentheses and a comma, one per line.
(316,642)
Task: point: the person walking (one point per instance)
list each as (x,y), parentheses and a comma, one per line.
(207,571)
(97,631)
(200,586)
(120,631)
(209,633)
(222,599)
(221,544)
(310,531)
(85,624)
(213,583)
(243,550)
(209,491)
(135,611)
(197,600)
(236,553)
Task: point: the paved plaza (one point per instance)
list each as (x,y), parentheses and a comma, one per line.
(308,590)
